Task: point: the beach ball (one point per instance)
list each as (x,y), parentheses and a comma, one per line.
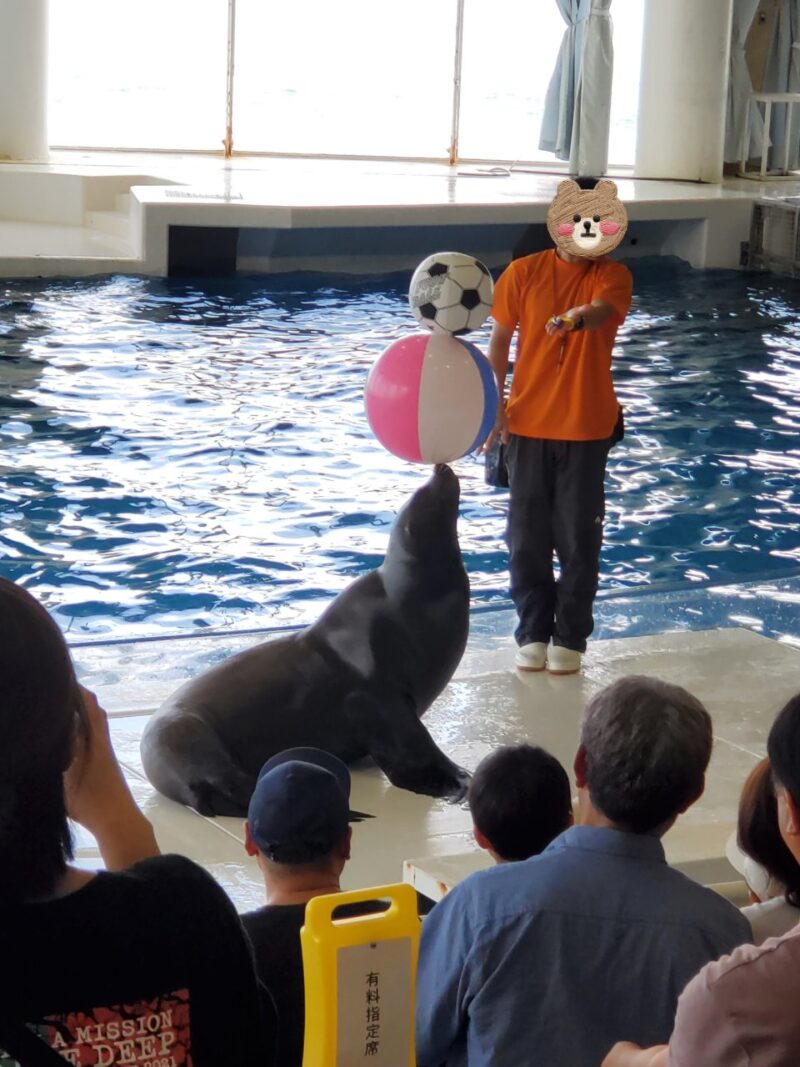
(451,292)
(431,398)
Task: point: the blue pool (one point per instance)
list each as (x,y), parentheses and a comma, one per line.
(185,456)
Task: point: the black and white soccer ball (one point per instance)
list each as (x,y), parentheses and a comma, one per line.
(451,292)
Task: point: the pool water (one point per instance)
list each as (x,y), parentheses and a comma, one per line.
(186,456)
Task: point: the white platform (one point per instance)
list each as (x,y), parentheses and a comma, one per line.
(743,679)
(104,213)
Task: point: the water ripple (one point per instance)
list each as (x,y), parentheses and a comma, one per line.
(192,454)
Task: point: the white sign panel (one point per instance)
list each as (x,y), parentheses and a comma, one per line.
(374,1004)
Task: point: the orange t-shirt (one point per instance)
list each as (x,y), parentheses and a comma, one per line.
(565,394)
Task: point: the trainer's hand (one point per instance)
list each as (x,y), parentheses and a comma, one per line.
(500,429)
(560,325)
(97,795)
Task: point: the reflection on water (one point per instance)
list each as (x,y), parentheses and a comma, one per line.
(176,456)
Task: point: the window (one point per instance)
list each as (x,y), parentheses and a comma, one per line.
(355,77)
(509,54)
(358,77)
(149,74)
(628,17)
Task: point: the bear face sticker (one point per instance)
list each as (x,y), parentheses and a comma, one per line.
(587,222)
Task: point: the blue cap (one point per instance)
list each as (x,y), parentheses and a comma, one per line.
(300,807)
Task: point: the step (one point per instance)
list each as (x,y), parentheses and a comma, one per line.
(114,223)
(41,250)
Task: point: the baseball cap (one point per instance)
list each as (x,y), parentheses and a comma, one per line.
(300,807)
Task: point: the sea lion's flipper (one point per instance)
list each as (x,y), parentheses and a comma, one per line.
(403,749)
(186,761)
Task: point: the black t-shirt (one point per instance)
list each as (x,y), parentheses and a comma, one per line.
(275,933)
(148,966)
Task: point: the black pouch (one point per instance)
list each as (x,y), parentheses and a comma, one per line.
(496,471)
(619,429)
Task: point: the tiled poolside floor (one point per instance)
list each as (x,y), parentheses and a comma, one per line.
(741,676)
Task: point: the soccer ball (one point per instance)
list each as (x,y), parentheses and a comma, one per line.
(451,292)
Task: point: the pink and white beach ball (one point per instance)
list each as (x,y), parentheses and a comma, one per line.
(431,398)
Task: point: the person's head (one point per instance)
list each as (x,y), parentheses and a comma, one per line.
(586,218)
(298,817)
(520,800)
(759,838)
(783,749)
(644,750)
(41,716)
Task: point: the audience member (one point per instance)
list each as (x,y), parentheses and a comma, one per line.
(772,873)
(145,964)
(298,829)
(519,799)
(553,959)
(742,1009)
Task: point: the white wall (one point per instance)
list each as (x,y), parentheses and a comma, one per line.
(23,79)
(683,89)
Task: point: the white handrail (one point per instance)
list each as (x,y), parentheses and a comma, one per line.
(229,72)
(768,99)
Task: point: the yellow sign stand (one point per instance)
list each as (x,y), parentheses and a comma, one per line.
(360,977)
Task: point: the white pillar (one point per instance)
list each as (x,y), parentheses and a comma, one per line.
(23,79)
(683,91)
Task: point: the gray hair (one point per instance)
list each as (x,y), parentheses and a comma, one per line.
(647,746)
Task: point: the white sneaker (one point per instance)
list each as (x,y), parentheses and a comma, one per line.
(562,660)
(532,657)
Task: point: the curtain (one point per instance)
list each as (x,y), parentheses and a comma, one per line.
(740,89)
(577,108)
(782,75)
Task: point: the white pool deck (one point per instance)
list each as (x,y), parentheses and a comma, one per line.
(87,213)
(741,676)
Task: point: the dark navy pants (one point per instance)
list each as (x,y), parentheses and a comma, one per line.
(556,505)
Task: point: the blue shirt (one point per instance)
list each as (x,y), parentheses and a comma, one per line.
(552,960)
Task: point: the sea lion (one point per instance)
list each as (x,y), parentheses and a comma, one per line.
(354,683)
